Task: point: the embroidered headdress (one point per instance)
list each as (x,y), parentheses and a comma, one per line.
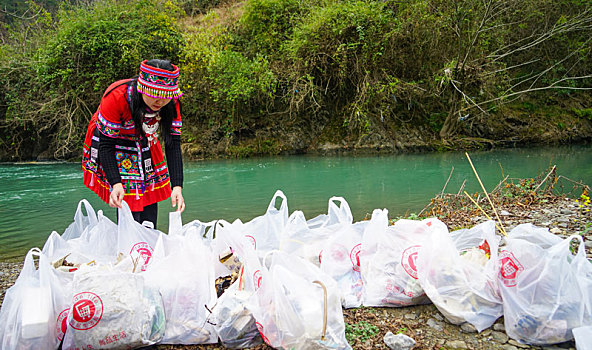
(158,83)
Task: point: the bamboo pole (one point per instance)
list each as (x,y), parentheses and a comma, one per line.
(483,211)
(487,195)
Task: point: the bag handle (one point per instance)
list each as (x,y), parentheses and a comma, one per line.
(283,207)
(29,265)
(175,223)
(92,216)
(125,213)
(342,212)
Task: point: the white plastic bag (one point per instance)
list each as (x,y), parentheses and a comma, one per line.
(97,243)
(112,309)
(533,234)
(307,239)
(340,259)
(264,231)
(135,239)
(583,337)
(458,272)
(233,321)
(299,306)
(29,318)
(185,278)
(541,290)
(390,273)
(81,222)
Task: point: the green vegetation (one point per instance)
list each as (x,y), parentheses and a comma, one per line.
(360,331)
(267,76)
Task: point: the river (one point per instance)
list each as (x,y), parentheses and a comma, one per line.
(38,198)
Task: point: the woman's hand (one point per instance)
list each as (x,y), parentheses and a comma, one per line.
(177,198)
(116,196)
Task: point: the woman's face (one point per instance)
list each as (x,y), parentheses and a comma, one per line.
(155,104)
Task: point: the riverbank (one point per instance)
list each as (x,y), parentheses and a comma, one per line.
(517,202)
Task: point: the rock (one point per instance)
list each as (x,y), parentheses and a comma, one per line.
(556,231)
(588,244)
(499,337)
(456,344)
(499,327)
(438,317)
(505,213)
(566,212)
(411,316)
(517,344)
(509,347)
(398,342)
(435,325)
(468,328)
(486,333)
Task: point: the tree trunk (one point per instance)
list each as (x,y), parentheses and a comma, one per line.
(451,124)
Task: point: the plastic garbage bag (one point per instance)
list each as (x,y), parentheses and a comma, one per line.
(583,337)
(135,239)
(264,231)
(541,290)
(233,321)
(81,222)
(389,269)
(340,259)
(458,272)
(31,316)
(307,239)
(205,230)
(239,300)
(299,306)
(184,276)
(97,244)
(113,309)
(533,234)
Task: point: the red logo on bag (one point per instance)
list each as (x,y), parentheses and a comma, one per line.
(252,240)
(408,260)
(510,268)
(354,256)
(257,277)
(260,329)
(62,324)
(87,310)
(320,256)
(144,251)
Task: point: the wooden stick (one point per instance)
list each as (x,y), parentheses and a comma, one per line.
(545,179)
(446,184)
(487,195)
(483,211)
(499,184)
(461,187)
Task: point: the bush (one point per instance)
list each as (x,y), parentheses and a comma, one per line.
(87,48)
(221,76)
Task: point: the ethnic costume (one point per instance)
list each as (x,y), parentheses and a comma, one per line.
(113,152)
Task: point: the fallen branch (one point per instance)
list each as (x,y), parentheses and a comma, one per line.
(545,179)
(446,184)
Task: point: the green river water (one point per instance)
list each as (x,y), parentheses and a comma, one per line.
(38,198)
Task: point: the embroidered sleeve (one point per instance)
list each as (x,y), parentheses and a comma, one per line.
(111,111)
(177,123)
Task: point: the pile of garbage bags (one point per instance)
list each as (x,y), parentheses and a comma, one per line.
(283,280)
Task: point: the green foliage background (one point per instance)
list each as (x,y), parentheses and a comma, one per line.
(271,76)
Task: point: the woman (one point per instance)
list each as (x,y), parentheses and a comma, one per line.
(122,157)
